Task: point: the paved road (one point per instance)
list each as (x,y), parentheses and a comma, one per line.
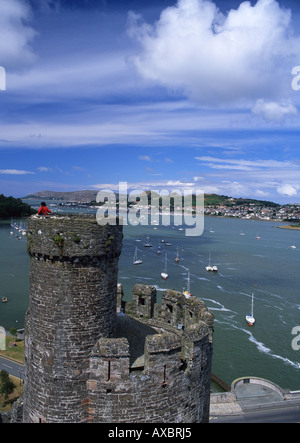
(11,366)
(284,414)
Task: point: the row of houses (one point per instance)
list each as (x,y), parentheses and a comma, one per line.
(252,211)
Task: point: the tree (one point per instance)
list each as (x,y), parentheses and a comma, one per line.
(6,385)
(14,207)
(13,331)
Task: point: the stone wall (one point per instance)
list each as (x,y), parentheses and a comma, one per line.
(84,362)
(171,383)
(73,281)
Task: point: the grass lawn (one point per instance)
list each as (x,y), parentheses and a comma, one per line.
(15,352)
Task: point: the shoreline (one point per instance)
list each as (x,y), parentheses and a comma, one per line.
(291,227)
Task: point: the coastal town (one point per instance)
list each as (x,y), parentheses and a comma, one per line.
(214,205)
(289,213)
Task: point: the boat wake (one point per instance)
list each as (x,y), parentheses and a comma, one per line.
(219,307)
(265,350)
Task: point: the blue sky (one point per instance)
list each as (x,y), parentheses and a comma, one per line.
(162,94)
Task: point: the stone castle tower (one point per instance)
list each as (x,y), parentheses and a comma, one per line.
(84,362)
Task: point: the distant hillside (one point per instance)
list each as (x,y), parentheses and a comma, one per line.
(14,207)
(74,196)
(214,199)
(88,196)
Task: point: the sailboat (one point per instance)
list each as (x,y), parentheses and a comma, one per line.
(210,267)
(136,261)
(177,257)
(250,318)
(164,274)
(187,293)
(147,244)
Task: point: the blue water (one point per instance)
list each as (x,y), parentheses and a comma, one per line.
(268,267)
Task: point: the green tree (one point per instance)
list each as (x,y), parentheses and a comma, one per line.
(14,207)
(13,331)
(6,386)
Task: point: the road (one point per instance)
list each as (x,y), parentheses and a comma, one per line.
(284,414)
(13,367)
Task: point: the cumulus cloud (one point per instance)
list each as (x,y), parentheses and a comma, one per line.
(288,190)
(272,111)
(15,34)
(219,59)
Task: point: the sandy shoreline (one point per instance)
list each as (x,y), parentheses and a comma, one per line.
(294,228)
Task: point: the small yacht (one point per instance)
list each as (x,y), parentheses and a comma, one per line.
(177,257)
(164,274)
(250,318)
(187,292)
(147,244)
(136,261)
(209,267)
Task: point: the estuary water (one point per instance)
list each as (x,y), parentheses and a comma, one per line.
(251,256)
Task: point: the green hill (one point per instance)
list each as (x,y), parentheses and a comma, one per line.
(214,199)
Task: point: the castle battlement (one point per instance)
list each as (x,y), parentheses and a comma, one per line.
(92,357)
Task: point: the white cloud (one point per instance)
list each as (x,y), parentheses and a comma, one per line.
(261,194)
(217,59)
(15,34)
(288,190)
(44,169)
(272,111)
(243,165)
(15,172)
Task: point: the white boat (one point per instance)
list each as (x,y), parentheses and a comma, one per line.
(136,261)
(250,318)
(187,293)
(209,267)
(164,274)
(147,244)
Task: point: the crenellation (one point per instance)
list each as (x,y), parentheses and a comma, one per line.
(92,357)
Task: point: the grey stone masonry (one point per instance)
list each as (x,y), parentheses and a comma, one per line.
(90,356)
(73,299)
